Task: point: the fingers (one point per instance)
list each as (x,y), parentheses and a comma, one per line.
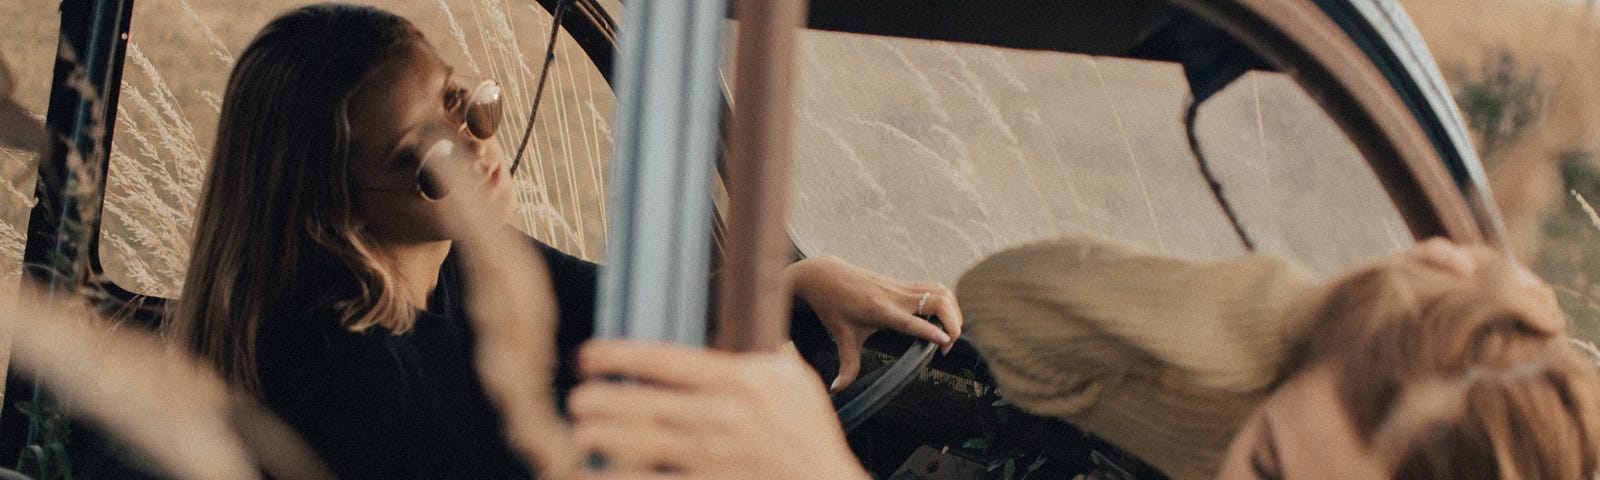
(934,299)
(849,363)
(921,328)
(614,474)
(658,363)
(640,430)
(618,475)
(1445,255)
(944,306)
(633,403)
(631,447)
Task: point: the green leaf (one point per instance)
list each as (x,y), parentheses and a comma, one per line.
(1037,463)
(1034,467)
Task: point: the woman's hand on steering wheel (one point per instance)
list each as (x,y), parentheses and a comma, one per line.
(853,303)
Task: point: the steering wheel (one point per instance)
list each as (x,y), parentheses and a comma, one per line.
(875,389)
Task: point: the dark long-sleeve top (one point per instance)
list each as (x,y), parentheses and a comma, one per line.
(379,405)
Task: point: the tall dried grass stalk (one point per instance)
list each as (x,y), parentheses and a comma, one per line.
(159,166)
(12,240)
(218,48)
(159,163)
(460,35)
(534,195)
(1587,209)
(12,243)
(564,124)
(562,185)
(163,402)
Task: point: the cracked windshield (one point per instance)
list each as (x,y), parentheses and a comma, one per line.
(977,149)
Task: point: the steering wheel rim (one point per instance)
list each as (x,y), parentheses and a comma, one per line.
(875,389)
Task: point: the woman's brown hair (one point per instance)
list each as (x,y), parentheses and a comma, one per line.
(275,212)
(1448,377)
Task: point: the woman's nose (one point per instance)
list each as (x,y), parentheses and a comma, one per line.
(478,147)
(484,156)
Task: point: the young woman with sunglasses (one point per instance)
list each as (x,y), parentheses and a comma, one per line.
(323,278)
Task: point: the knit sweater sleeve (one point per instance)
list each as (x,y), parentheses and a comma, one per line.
(1163,356)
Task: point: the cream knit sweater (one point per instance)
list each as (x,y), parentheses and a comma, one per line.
(1164,357)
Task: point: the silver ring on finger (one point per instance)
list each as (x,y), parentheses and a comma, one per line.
(922,302)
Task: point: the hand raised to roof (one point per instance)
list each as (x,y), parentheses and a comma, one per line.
(853,303)
(1443,254)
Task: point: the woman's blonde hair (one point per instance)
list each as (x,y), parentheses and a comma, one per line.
(275,214)
(1451,378)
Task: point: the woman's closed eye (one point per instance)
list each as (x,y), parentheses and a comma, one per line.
(454,96)
(407,159)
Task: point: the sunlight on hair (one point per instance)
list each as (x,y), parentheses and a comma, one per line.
(1420,406)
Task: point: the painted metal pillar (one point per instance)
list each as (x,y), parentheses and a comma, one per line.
(653,286)
(61,227)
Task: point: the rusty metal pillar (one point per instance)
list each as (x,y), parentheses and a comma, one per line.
(754,302)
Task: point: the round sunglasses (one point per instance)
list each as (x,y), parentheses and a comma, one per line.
(480,110)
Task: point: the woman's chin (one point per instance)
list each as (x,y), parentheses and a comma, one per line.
(504,204)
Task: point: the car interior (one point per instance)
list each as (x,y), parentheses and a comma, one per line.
(928,135)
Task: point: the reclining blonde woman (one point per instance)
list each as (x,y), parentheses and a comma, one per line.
(1444,362)
(1441,362)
